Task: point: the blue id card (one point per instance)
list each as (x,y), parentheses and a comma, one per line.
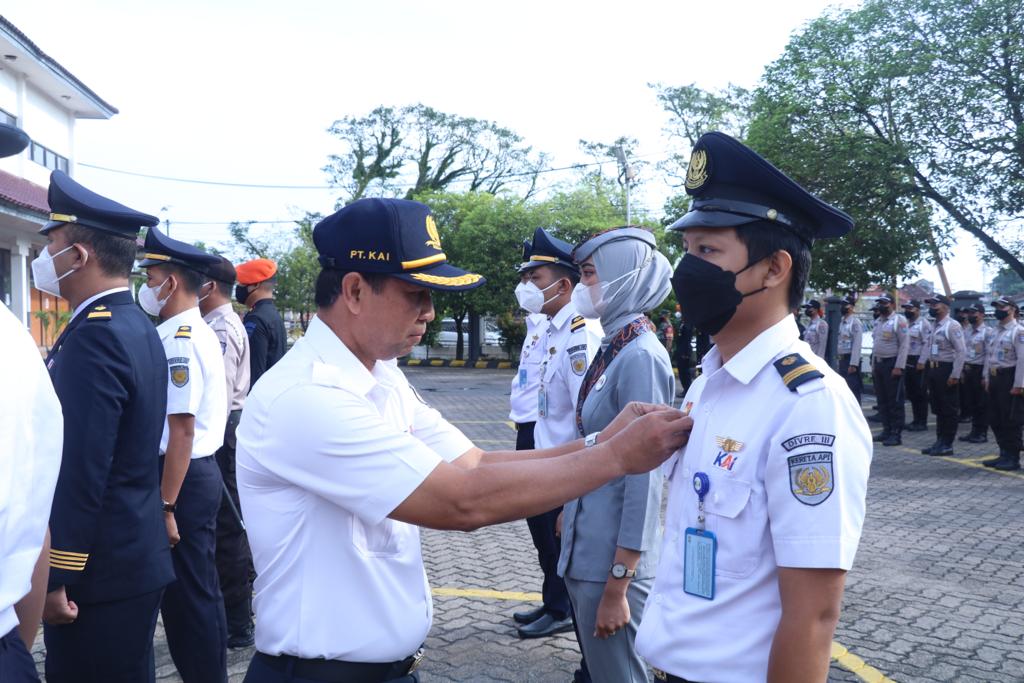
(699,563)
(522,378)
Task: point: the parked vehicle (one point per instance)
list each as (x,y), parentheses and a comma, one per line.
(448,337)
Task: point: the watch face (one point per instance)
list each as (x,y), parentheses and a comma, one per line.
(618,571)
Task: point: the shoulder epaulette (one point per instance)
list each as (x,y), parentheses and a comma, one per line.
(99,313)
(795,370)
(184,332)
(577,323)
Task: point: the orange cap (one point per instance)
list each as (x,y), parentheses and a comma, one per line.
(255,271)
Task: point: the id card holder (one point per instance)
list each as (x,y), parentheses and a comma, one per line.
(542,402)
(935,349)
(522,378)
(699,550)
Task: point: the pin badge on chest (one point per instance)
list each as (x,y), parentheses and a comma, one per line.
(600,382)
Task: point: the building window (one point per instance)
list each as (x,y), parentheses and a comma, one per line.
(45,156)
(8,118)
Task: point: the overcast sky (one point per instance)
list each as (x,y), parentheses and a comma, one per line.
(243,91)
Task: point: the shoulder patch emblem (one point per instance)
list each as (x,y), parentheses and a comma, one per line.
(184,332)
(809,440)
(577,323)
(796,371)
(179,375)
(811,477)
(578,361)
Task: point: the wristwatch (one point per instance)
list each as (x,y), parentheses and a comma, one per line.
(591,439)
(170,507)
(619,571)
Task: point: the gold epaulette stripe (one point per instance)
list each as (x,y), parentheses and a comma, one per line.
(101,315)
(797,372)
(69,554)
(70,567)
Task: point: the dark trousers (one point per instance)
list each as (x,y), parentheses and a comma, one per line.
(853,380)
(193,607)
(234,559)
(945,401)
(975,397)
(915,382)
(108,642)
(261,670)
(548,545)
(16,664)
(1006,411)
(889,393)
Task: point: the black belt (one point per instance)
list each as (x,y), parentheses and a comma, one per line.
(660,675)
(337,671)
(975,366)
(940,363)
(1001,371)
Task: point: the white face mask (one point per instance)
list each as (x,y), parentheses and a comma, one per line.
(207,295)
(148,298)
(44,273)
(531,297)
(590,300)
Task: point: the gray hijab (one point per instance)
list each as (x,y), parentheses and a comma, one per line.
(636,292)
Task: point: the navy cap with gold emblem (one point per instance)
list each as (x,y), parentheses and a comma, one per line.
(913,303)
(395,237)
(72,203)
(13,140)
(160,249)
(545,250)
(939,299)
(732,185)
(1005,301)
(222,271)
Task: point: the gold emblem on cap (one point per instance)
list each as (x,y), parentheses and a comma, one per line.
(697,171)
(772,214)
(435,238)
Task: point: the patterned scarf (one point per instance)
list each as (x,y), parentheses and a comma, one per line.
(605,357)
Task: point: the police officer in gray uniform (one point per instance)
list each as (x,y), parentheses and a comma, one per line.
(890,357)
(851,333)
(944,355)
(977,336)
(918,333)
(1004,381)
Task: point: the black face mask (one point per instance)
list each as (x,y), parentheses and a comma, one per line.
(973,319)
(241,293)
(707,294)
(1002,315)
(933,312)
(847,310)
(884,310)
(875,314)
(911,316)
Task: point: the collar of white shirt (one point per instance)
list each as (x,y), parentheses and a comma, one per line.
(745,365)
(332,351)
(559,319)
(85,304)
(218,312)
(189,316)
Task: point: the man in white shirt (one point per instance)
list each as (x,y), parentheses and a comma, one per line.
(191,483)
(340,461)
(766,502)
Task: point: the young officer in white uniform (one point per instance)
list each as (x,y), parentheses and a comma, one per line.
(191,483)
(766,502)
(339,460)
(568,346)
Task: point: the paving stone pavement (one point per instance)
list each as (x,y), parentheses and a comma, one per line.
(936,593)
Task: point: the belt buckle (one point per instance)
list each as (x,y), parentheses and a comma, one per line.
(992,372)
(659,674)
(417,659)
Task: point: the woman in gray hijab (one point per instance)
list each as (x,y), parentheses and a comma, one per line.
(611,536)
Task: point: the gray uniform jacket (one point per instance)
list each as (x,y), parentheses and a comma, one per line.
(626,511)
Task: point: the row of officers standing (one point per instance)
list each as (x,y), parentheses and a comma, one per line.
(145,512)
(966,370)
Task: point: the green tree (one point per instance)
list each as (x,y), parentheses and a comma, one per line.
(417,149)
(914,104)
(1008,283)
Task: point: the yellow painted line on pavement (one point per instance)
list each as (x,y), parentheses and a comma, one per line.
(857,666)
(840,653)
(974,462)
(486,593)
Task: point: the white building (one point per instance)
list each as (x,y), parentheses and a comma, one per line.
(45,100)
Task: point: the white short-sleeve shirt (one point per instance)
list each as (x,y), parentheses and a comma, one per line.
(31,441)
(326,451)
(788,472)
(195,383)
(523,394)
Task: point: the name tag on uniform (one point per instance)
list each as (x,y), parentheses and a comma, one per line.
(542,402)
(935,348)
(846,345)
(699,550)
(522,378)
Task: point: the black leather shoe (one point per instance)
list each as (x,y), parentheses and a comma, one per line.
(546,626)
(893,440)
(942,449)
(917,427)
(531,616)
(929,449)
(1011,464)
(874,418)
(977,438)
(882,436)
(241,639)
(992,462)
(966,437)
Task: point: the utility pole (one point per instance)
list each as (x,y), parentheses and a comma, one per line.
(167,220)
(627,174)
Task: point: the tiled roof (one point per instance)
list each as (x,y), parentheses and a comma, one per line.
(22,193)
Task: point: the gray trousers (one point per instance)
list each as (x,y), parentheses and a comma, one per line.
(615,659)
